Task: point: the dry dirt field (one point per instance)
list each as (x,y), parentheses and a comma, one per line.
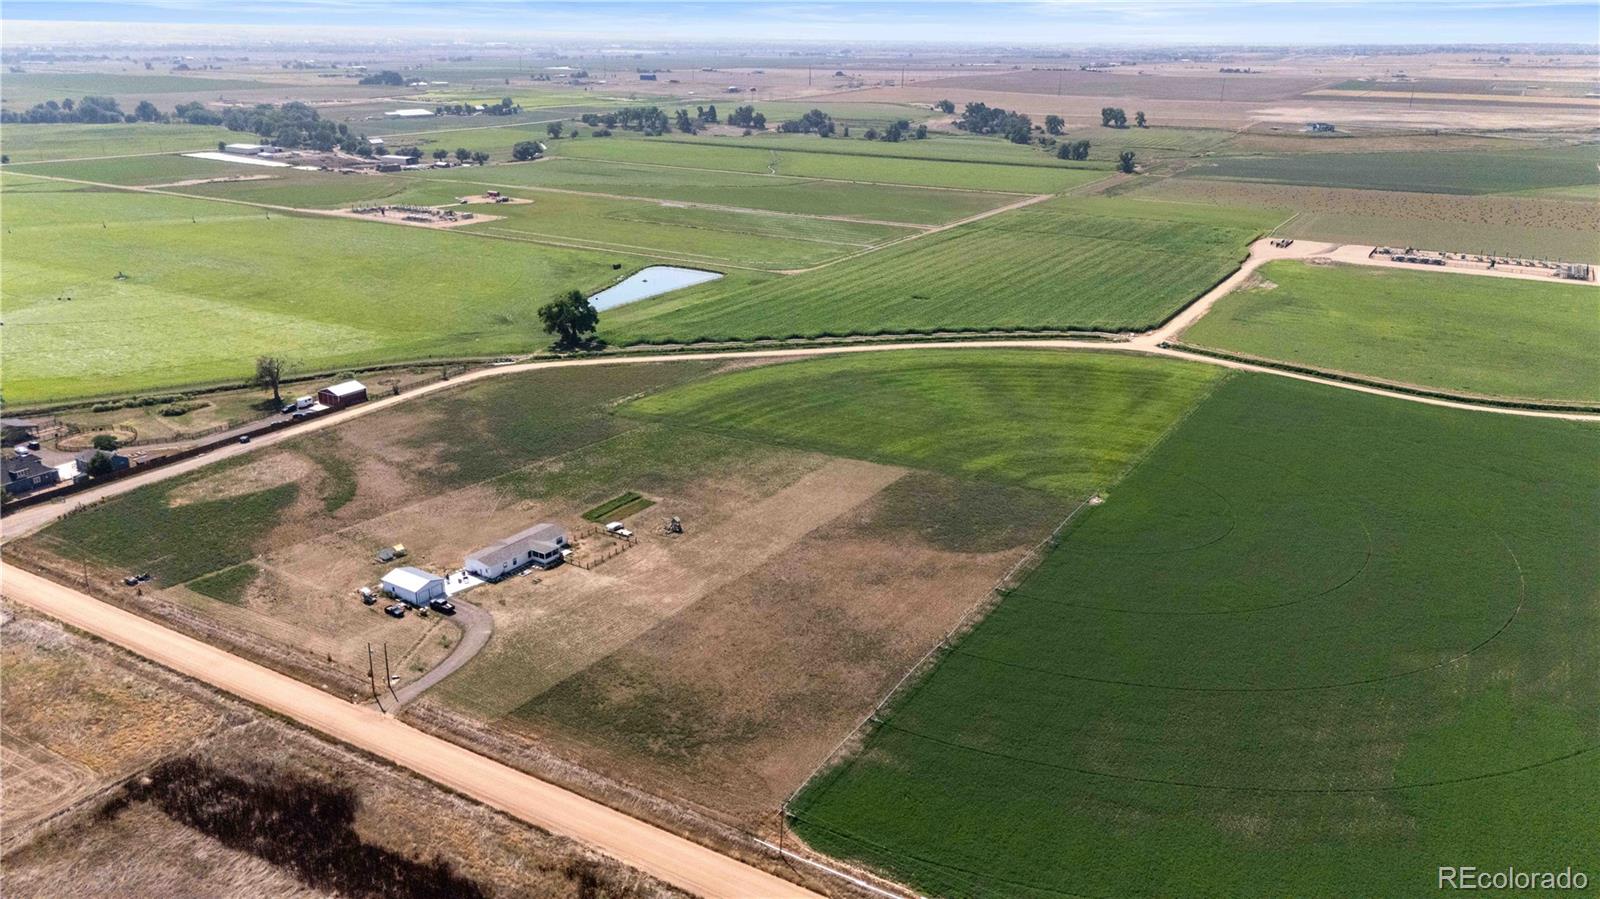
(105,752)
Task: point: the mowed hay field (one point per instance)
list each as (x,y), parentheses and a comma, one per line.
(1521,225)
(1458,172)
(210,286)
(1067,263)
(1500,337)
(39,143)
(1313,645)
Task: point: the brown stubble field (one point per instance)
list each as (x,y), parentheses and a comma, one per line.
(111,830)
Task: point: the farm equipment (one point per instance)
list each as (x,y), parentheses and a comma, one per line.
(673,526)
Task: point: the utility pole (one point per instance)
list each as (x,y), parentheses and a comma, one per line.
(371,681)
(388,679)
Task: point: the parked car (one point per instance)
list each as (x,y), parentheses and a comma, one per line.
(298,416)
(131,581)
(443,606)
(366,595)
(288,408)
(244,438)
(395,610)
(143,576)
(616,527)
(33,444)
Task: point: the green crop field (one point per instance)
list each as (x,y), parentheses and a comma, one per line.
(1067,263)
(1487,172)
(1317,643)
(986,414)
(724,155)
(138,170)
(40,143)
(883,202)
(304,190)
(27,88)
(209,286)
(1506,338)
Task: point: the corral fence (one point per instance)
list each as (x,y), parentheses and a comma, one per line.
(975,613)
(606,546)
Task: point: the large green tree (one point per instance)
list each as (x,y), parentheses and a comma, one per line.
(572,318)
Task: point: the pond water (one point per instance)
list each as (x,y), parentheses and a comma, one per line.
(650,282)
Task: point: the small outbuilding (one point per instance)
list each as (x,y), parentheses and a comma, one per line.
(539,546)
(413,586)
(344,393)
(245,149)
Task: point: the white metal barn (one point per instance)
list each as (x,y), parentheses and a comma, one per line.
(539,545)
(414,586)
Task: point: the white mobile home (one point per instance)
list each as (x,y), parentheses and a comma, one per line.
(414,586)
(540,545)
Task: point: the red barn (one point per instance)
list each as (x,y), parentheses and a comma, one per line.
(344,393)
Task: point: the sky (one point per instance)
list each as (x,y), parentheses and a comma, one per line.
(1058,22)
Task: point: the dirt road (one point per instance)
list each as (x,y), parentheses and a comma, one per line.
(657,852)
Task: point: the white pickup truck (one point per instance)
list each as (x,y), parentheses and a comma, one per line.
(616,527)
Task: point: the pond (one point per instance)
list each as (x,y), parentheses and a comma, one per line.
(650,282)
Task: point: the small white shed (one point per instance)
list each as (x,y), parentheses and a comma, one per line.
(414,586)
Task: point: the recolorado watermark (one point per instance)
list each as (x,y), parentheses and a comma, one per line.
(1467,877)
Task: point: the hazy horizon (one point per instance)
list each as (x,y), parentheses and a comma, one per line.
(1051,22)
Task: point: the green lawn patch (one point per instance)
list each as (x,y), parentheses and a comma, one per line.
(1090,264)
(227,585)
(1314,643)
(1493,336)
(620,507)
(1065,422)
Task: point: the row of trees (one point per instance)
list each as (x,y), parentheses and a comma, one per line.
(747,117)
(88,111)
(386,77)
(981,118)
(895,132)
(814,122)
(506,106)
(1115,117)
(1076,150)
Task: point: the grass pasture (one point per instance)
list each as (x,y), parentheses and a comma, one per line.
(1090,264)
(1311,645)
(983,414)
(24,89)
(210,286)
(818,159)
(1491,336)
(1487,172)
(43,143)
(801,196)
(138,171)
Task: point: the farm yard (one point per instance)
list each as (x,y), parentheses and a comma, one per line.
(611,662)
(1100,274)
(1444,331)
(1301,564)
